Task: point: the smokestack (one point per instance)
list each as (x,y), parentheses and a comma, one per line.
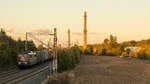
(85,32)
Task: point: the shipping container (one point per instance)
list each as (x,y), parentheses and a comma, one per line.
(38,55)
(46,55)
(50,55)
(42,56)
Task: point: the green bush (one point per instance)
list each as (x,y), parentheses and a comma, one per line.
(68,58)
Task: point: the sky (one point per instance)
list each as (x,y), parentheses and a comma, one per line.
(126,19)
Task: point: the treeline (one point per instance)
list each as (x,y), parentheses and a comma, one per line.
(9,48)
(143,49)
(68,58)
(143,53)
(110,47)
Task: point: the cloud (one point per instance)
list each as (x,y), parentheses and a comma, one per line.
(93,33)
(78,33)
(90,33)
(10,30)
(41,31)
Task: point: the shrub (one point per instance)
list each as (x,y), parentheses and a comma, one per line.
(142,55)
(104,51)
(113,52)
(125,54)
(95,52)
(133,54)
(68,58)
(99,51)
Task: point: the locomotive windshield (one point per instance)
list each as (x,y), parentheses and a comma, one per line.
(23,55)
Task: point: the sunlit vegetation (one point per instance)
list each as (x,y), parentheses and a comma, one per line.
(9,48)
(68,58)
(110,47)
(142,53)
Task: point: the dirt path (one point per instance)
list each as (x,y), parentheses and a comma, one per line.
(107,70)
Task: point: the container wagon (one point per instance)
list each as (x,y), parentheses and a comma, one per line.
(50,55)
(39,58)
(42,56)
(46,56)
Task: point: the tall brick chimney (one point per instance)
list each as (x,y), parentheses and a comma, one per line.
(85,32)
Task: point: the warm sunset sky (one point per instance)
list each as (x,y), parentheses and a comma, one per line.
(126,19)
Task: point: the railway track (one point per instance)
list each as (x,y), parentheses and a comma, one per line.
(14,75)
(25,76)
(5,74)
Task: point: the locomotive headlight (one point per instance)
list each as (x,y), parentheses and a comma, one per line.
(19,62)
(25,62)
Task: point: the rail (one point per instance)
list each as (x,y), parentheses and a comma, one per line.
(25,76)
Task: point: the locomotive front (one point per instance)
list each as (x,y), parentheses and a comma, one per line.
(23,60)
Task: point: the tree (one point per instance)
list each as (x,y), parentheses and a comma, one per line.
(104,51)
(9,49)
(21,45)
(31,46)
(133,43)
(115,39)
(91,50)
(128,51)
(142,54)
(106,40)
(122,48)
(111,38)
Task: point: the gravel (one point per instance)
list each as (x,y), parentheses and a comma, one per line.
(106,70)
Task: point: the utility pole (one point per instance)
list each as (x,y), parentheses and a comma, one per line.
(53,63)
(68,38)
(55,51)
(26,43)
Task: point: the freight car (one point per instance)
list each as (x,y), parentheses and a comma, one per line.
(29,59)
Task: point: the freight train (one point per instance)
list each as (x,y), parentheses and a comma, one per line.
(25,60)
